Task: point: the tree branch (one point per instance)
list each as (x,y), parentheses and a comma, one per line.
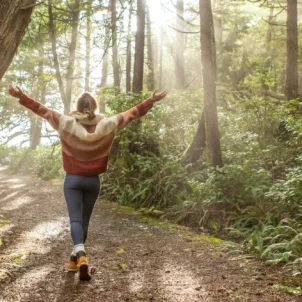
(32,5)
(184,32)
(14,135)
(274,95)
(271,23)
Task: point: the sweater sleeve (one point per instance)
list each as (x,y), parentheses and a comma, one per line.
(50,115)
(134,113)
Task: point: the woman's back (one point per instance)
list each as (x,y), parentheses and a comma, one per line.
(86,143)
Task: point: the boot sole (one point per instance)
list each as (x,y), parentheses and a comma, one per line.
(84,272)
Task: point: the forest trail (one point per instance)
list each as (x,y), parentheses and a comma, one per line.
(134,261)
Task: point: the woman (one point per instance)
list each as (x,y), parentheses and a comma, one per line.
(86,139)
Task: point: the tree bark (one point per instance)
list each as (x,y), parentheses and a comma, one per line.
(105,62)
(114,45)
(270,26)
(72,50)
(161,53)
(139,48)
(195,150)
(291,86)
(150,79)
(36,122)
(105,55)
(53,37)
(218,25)
(269,52)
(180,46)
(128,60)
(208,59)
(88,46)
(36,126)
(13,23)
(105,67)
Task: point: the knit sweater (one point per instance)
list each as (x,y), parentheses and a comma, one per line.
(86,143)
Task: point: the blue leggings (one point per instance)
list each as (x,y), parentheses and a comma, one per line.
(81,193)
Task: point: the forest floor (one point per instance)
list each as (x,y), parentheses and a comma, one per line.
(135,260)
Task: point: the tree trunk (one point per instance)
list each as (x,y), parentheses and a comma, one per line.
(105,56)
(88,46)
(270,27)
(114,45)
(269,56)
(208,59)
(150,79)
(36,122)
(105,63)
(105,67)
(72,50)
(139,48)
(194,152)
(161,52)
(218,25)
(180,47)
(291,86)
(14,19)
(155,51)
(128,60)
(53,37)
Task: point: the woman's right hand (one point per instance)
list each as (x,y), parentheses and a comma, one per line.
(16,93)
(155,97)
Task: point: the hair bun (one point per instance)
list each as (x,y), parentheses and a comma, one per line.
(87,105)
(90,114)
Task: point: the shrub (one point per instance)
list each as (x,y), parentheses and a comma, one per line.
(44,162)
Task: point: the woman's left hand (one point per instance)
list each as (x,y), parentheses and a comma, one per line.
(16,93)
(155,97)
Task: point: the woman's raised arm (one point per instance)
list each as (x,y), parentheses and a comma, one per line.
(139,110)
(50,115)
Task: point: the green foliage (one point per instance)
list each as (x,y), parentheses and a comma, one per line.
(150,181)
(297,291)
(287,192)
(44,162)
(254,197)
(4,155)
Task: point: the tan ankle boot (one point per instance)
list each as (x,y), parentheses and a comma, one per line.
(82,265)
(72,264)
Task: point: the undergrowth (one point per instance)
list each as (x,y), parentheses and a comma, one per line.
(254,198)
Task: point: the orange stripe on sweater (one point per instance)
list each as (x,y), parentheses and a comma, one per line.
(83,150)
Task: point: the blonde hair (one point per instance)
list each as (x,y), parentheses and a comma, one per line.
(87,104)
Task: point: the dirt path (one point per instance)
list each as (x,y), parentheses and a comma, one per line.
(135,261)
